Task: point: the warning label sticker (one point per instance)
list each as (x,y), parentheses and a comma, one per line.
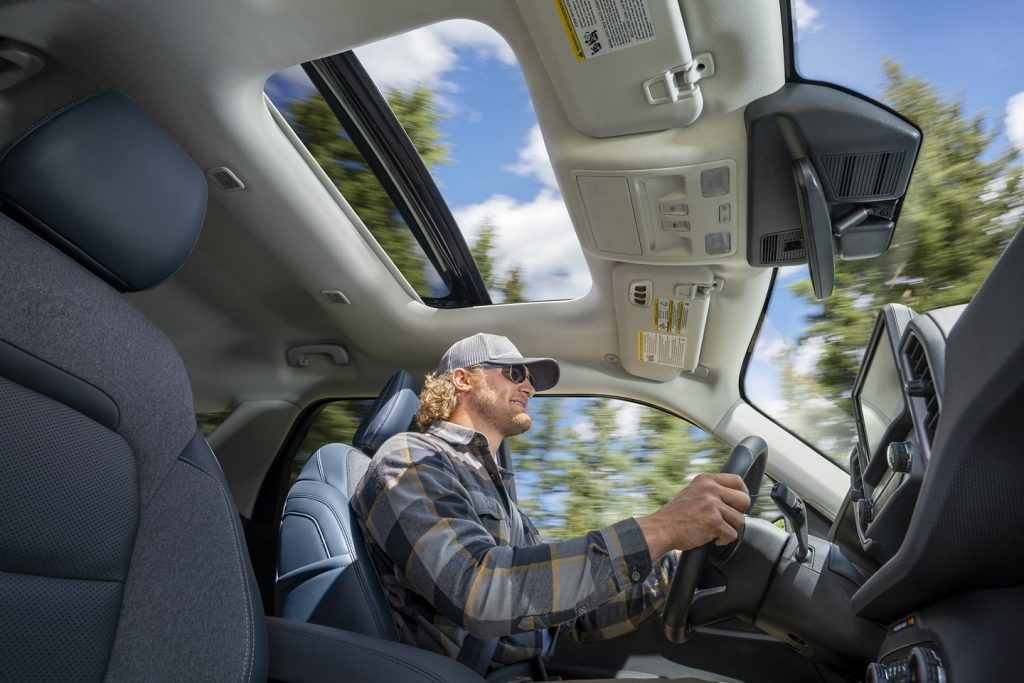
(663,349)
(597,27)
(670,315)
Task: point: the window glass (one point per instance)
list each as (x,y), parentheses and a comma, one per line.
(311,118)
(208,422)
(335,422)
(459,92)
(963,205)
(589,462)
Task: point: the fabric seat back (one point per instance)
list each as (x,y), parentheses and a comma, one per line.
(121,554)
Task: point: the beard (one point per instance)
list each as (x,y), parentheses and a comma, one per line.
(501,415)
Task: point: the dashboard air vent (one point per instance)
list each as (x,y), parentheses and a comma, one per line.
(921,376)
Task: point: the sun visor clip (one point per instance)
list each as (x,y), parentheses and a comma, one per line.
(680,82)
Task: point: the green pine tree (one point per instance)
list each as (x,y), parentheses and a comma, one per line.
(952,229)
(483,254)
(513,287)
(331,146)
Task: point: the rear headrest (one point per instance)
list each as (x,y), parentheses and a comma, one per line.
(105,184)
(392,413)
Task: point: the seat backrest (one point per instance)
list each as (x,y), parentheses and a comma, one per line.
(324,573)
(121,554)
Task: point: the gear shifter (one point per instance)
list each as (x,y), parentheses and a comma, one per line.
(793,510)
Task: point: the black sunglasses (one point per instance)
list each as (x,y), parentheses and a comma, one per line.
(517,374)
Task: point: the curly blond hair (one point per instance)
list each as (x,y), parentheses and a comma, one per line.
(438,398)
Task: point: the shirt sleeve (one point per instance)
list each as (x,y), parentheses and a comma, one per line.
(630,608)
(415,508)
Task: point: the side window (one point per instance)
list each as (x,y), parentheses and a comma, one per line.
(335,422)
(208,422)
(589,462)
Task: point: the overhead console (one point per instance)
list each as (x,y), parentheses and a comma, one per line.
(828,173)
(666,215)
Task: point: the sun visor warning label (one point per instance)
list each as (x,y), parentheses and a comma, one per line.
(670,315)
(597,27)
(665,344)
(663,349)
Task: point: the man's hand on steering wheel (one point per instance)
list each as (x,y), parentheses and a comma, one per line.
(708,509)
(746,463)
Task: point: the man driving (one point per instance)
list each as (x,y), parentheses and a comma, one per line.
(465,571)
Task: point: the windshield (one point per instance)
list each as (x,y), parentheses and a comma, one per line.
(963,205)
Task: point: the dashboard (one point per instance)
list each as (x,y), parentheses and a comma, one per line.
(935,488)
(897,401)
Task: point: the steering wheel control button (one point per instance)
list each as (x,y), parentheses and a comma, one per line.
(899,455)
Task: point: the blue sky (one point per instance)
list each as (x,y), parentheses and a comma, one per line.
(965,49)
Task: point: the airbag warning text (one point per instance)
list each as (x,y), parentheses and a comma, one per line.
(596,27)
(663,349)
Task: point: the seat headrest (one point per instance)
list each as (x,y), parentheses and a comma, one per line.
(392,413)
(105,184)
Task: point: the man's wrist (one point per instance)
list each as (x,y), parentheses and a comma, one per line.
(658,541)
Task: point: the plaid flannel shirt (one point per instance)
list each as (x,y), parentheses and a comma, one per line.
(456,556)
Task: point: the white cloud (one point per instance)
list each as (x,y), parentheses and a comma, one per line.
(627,418)
(805,360)
(426,54)
(772,346)
(774,350)
(533,160)
(556,270)
(806,17)
(1015,120)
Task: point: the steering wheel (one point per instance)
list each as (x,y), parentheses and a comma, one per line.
(747,459)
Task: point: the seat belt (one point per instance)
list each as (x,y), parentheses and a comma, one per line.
(476,653)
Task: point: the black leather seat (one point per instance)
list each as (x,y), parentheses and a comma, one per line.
(121,554)
(324,573)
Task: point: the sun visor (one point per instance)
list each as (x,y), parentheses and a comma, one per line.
(619,66)
(661,316)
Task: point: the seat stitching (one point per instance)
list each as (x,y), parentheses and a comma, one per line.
(318,499)
(319,531)
(320,465)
